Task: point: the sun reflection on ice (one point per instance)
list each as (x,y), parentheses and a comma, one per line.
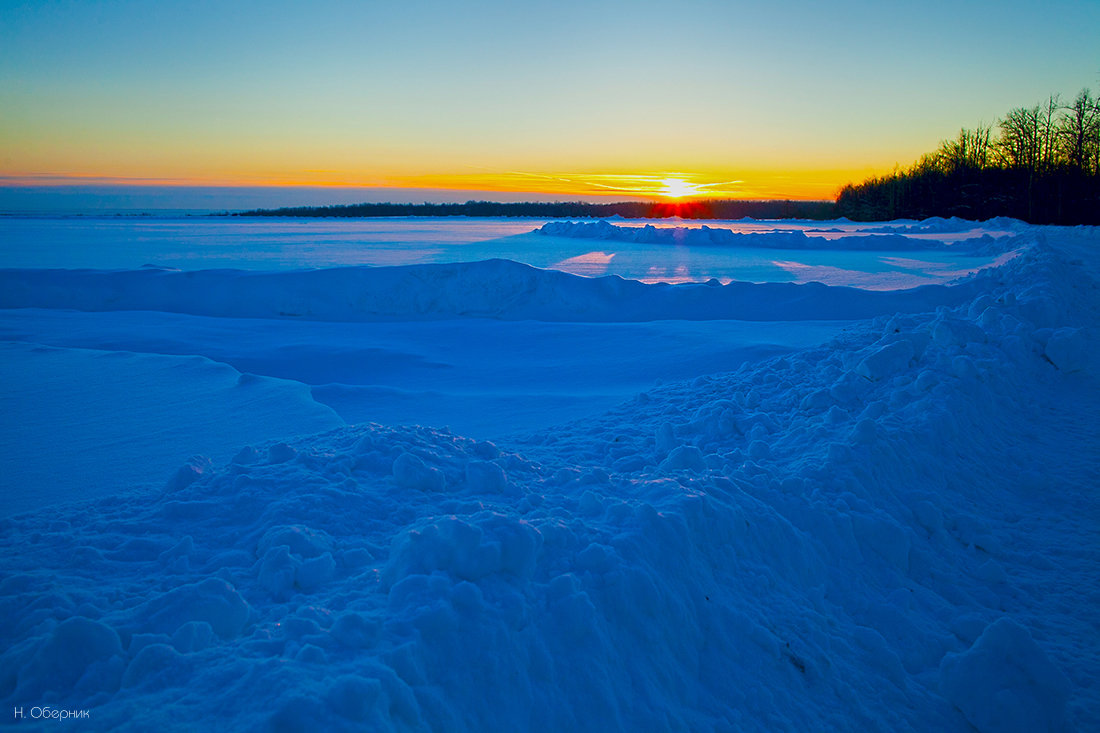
(590,263)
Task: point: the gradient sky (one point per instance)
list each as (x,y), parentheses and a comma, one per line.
(788,98)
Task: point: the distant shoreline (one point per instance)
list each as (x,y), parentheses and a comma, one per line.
(726,209)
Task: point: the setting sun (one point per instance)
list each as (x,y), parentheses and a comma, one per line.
(678,188)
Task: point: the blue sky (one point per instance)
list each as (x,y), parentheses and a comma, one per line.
(786,96)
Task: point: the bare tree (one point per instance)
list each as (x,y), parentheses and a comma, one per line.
(1021,138)
(1048,133)
(971,149)
(1094,146)
(1078,131)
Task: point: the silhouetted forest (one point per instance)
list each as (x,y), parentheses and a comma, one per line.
(1040,164)
(574,209)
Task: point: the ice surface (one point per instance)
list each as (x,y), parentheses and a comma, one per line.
(288,244)
(875,258)
(892,528)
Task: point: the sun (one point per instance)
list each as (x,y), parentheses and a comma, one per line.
(675,188)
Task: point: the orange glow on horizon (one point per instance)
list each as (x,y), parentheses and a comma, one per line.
(680,186)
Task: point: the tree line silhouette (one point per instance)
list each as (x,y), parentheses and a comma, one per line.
(1040,164)
(724,209)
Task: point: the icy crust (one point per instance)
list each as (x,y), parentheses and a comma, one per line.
(83,422)
(858,537)
(940,225)
(883,238)
(497,289)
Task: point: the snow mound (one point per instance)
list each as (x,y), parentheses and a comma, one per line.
(1069,349)
(1005,683)
(940,225)
(496,289)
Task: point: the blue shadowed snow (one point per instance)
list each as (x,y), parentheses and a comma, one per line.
(927,253)
(519,376)
(82,423)
(887,524)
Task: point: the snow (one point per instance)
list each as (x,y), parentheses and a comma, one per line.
(869,510)
(497,289)
(1006,666)
(82,422)
(521,375)
(131,243)
(1068,349)
(705,235)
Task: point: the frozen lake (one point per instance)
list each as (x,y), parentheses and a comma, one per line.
(285,244)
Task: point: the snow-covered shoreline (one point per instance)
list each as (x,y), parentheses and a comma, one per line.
(893,530)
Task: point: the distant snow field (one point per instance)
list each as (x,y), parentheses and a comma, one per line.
(428,474)
(287,244)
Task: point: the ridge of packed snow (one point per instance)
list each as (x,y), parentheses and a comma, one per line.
(500,289)
(940,225)
(884,239)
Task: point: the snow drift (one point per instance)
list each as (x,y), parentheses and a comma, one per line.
(884,239)
(889,532)
(499,289)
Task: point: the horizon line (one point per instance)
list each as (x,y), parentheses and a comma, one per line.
(584,190)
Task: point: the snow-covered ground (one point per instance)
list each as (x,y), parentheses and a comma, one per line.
(740,502)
